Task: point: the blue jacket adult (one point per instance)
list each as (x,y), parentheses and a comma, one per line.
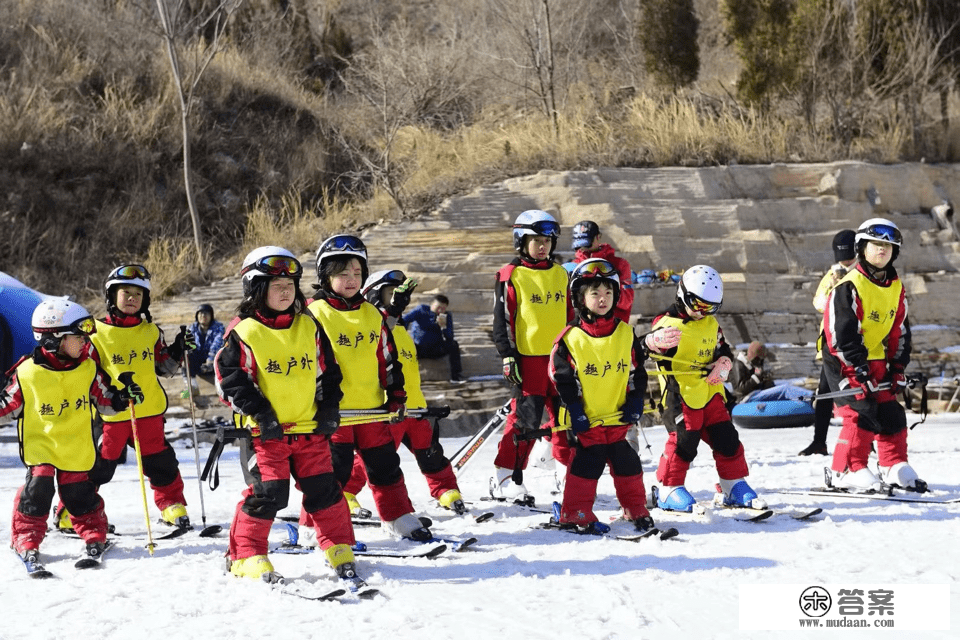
(208,342)
(421,324)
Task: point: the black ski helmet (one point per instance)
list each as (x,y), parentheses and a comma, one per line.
(843,245)
(584,234)
(590,271)
(127,274)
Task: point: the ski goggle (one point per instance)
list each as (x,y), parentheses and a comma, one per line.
(598,269)
(86,326)
(277,266)
(884,233)
(546,228)
(344,244)
(701,306)
(130,272)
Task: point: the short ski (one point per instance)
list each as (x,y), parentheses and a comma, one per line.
(663,534)
(87,561)
(330,595)
(823,492)
(456,544)
(360,549)
(360,588)
(35,569)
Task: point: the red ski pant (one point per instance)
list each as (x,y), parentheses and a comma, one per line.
(712,425)
(854,442)
(31,506)
(268,471)
(597,448)
(417,435)
(375,443)
(160,464)
(526,413)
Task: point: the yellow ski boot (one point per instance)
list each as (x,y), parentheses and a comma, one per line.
(176,516)
(255,567)
(356,510)
(452,500)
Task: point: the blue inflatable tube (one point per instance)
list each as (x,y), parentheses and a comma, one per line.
(781,407)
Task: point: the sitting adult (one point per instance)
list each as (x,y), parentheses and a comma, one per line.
(208,334)
(431,327)
(588,243)
(748,373)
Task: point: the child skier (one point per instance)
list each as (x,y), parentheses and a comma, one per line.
(390,292)
(126,340)
(50,393)
(597,367)
(372,379)
(278,373)
(530,310)
(867,343)
(588,243)
(694,405)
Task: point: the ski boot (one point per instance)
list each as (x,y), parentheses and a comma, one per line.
(408,526)
(451,499)
(903,476)
(675,499)
(356,510)
(62,521)
(176,516)
(505,489)
(644,524)
(861,481)
(591,528)
(254,567)
(737,493)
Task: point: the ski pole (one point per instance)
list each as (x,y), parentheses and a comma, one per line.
(204,533)
(852,391)
(126,378)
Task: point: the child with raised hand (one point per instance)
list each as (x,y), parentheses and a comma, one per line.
(372,379)
(278,373)
(597,367)
(51,393)
(694,399)
(866,348)
(530,310)
(127,340)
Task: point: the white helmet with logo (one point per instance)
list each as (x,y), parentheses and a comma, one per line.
(879,230)
(58,317)
(701,290)
(269,262)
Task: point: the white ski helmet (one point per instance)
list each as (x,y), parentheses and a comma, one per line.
(344,246)
(593,270)
(535,223)
(377,281)
(701,289)
(53,319)
(880,230)
(128,274)
(269,262)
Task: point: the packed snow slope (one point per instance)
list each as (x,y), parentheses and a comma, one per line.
(519,582)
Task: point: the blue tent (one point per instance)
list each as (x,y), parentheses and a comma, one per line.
(17,302)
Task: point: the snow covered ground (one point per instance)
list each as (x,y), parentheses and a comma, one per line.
(519,582)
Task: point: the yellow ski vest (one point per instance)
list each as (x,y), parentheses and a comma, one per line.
(880,306)
(355,336)
(407,354)
(603,369)
(131,349)
(697,344)
(286,370)
(541,308)
(56,426)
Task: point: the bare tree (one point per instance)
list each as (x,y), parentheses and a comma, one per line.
(192,33)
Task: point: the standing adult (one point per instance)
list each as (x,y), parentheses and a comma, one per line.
(846,256)
(588,243)
(431,327)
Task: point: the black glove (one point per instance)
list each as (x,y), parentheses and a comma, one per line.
(183,343)
(270,427)
(631,411)
(130,392)
(328,420)
(401,297)
(397,407)
(578,419)
(865,380)
(511,370)
(206,368)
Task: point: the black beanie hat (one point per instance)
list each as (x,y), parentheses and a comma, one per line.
(843,245)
